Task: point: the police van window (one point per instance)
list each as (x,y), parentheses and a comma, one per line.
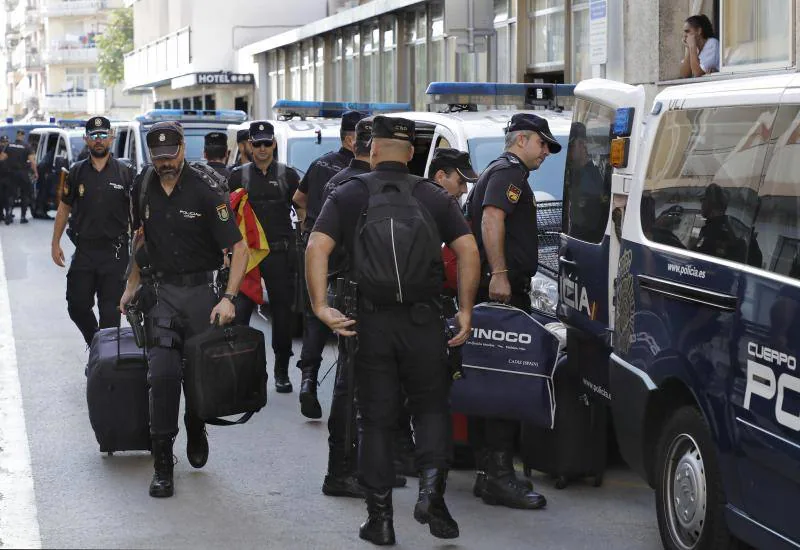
(442,143)
(119,143)
(301,152)
(61,150)
(701,187)
(776,232)
(76,143)
(587,175)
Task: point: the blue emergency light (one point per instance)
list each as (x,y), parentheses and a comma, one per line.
(70,123)
(494,93)
(10,120)
(623,122)
(287,108)
(219,115)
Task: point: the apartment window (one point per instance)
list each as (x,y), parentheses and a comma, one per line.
(176,103)
(370,63)
(211,102)
(548,31)
(389,59)
(756,32)
(186,103)
(197,102)
(580,61)
(319,68)
(157,105)
(75,80)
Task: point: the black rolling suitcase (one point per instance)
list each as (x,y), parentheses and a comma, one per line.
(225,373)
(576,447)
(116,391)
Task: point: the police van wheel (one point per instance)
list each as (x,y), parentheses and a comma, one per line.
(690,502)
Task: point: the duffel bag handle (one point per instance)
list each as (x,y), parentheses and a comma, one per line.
(222,422)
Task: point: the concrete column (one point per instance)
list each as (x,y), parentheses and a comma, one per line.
(523,32)
(261,103)
(671,15)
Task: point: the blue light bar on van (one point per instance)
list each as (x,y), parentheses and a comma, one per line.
(333,109)
(492,93)
(70,123)
(220,115)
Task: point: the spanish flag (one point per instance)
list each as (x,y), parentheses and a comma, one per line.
(256,240)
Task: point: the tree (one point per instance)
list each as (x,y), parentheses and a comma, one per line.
(113,45)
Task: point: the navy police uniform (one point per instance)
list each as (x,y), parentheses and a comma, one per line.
(98,226)
(18,180)
(270,195)
(5,206)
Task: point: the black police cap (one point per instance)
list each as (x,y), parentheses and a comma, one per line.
(98,124)
(533,123)
(350,119)
(453,158)
(393,128)
(364,129)
(215,139)
(261,130)
(242,135)
(164,139)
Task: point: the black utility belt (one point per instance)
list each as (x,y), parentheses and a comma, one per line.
(102,242)
(184,279)
(368,306)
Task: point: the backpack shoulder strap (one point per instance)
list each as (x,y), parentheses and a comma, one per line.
(280,175)
(213,179)
(146,179)
(245,168)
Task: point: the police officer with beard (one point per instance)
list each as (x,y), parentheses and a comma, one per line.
(270,186)
(400,344)
(502,210)
(186,225)
(96,194)
(243,143)
(309,200)
(215,151)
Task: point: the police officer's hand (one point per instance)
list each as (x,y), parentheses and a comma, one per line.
(225,310)
(127,298)
(464,324)
(500,288)
(336,321)
(57,254)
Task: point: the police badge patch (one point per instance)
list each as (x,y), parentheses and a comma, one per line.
(81,190)
(222,212)
(513,193)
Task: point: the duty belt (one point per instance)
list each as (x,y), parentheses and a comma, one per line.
(368,306)
(184,279)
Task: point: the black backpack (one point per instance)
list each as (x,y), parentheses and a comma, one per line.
(397,251)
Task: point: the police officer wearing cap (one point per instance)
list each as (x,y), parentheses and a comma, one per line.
(308,199)
(502,210)
(5,206)
(215,151)
(96,199)
(243,143)
(270,186)
(186,225)
(400,345)
(21,159)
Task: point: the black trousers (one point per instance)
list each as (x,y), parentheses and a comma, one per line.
(315,336)
(5,182)
(179,313)
(341,463)
(96,270)
(19,181)
(396,352)
(44,190)
(278,280)
(494,434)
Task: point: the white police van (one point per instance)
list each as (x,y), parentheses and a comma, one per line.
(472,122)
(306,130)
(686,285)
(129,137)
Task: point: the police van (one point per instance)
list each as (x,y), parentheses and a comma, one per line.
(306,130)
(684,295)
(474,119)
(129,137)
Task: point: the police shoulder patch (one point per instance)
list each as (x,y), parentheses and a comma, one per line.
(513,193)
(222,212)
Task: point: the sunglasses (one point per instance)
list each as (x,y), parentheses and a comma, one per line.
(263,143)
(99,135)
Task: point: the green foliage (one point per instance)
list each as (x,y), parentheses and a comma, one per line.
(117,41)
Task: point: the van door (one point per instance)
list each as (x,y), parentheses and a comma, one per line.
(442,137)
(589,243)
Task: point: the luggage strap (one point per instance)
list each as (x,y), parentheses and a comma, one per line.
(222,422)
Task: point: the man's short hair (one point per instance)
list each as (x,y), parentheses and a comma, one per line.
(215,152)
(511,137)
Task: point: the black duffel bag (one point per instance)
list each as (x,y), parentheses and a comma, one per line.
(225,373)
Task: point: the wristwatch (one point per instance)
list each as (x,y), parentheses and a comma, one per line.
(230,297)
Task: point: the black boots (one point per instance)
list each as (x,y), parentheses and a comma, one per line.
(379,528)
(341,480)
(431,509)
(196,441)
(309,404)
(282,383)
(504,489)
(481,464)
(162,486)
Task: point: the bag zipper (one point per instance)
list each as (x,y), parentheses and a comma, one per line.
(396,269)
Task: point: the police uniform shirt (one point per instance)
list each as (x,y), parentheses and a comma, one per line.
(18,153)
(100,200)
(344,206)
(186,230)
(504,185)
(319,173)
(220,168)
(271,206)
(355,168)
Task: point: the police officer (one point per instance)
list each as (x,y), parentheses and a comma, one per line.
(215,151)
(21,159)
(502,210)
(308,198)
(270,186)
(243,143)
(5,208)
(96,195)
(399,344)
(187,224)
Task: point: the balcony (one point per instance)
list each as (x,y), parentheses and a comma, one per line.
(75,8)
(165,58)
(70,56)
(66,103)
(23,60)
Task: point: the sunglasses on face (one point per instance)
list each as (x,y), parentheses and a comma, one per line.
(264,143)
(99,135)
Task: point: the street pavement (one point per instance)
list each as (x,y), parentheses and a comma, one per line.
(261,486)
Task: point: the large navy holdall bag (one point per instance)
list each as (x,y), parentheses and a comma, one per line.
(508,364)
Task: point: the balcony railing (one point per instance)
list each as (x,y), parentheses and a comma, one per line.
(164,58)
(62,56)
(56,8)
(67,103)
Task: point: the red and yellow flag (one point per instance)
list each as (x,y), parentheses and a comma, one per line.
(256,240)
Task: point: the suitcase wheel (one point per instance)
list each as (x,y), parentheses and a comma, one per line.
(598,480)
(562,482)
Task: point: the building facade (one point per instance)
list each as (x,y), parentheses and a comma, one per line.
(185,51)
